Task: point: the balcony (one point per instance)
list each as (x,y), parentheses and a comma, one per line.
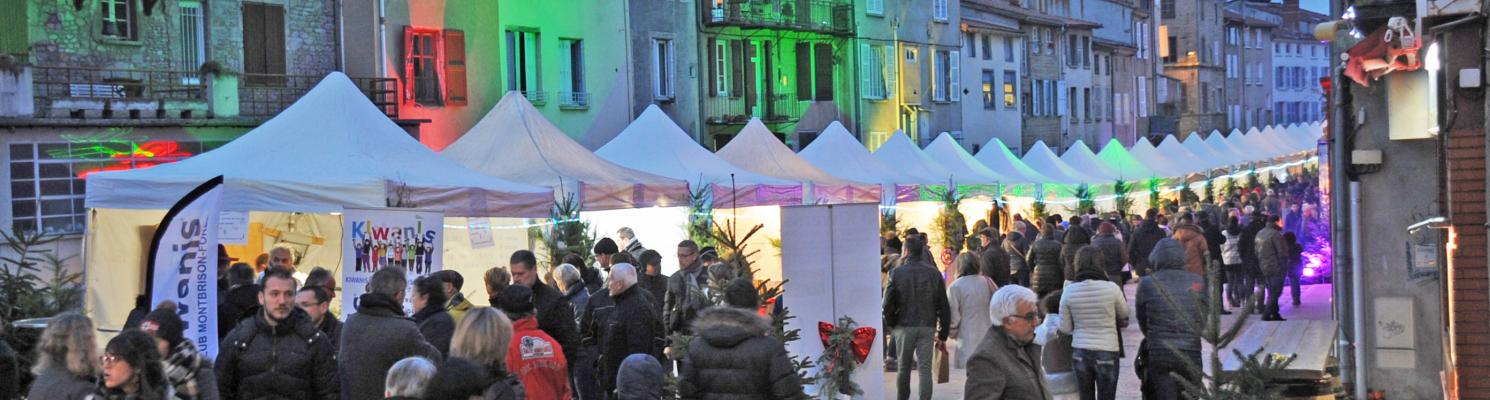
(574,99)
(776,108)
(824,16)
(52,92)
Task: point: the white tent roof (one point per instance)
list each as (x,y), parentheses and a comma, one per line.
(1119,160)
(900,153)
(1271,142)
(965,169)
(756,149)
(653,143)
(329,150)
(1198,146)
(1221,145)
(1242,142)
(1163,167)
(1043,159)
(514,141)
(1186,161)
(1080,158)
(1002,161)
(838,153)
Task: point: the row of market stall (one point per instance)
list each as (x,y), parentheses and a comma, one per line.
(333,150)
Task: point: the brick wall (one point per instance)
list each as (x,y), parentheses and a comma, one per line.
(1469,280)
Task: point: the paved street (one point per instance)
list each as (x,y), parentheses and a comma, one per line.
(1316,307)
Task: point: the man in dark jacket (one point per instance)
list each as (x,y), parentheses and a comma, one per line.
(278,352)
(242,300)
(1114,255)
(1142,244)
(1019,271)
(1167,305)
(1044,259)
(917,315)
(1006,364)
(993,262)
(652,279)
(1272,259)
(734,356)
(1251,273)
(316,303)
(680,306)
(630,326)
(555,315)
(1076,238)
(379,335)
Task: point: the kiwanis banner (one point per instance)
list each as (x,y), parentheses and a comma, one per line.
(183,263)
(373,239)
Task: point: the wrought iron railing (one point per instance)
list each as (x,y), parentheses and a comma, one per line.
(535,96)
(264,95)
(383,92)
(51,84)
(830,16)
(778,107)
(574,99)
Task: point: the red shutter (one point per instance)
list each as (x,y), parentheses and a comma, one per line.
(408,63)
(455,67)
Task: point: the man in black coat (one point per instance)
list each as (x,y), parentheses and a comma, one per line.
(1251,271)
(242,299)
(277,353)
(630,326)
(917,315)
(1144,238)
(993,262)
(378,336)
(316,302)
(679,309)
(555,315)
(734,355)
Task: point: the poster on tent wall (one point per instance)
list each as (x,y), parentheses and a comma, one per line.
(377,238)
(183,263)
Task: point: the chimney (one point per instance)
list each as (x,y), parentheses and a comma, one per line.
(1291,4)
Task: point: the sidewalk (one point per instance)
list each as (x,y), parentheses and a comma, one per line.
(1317,306)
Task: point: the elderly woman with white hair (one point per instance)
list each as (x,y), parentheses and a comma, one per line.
(1006,364)
(630,327)
(408,378)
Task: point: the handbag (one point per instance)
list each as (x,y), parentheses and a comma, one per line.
(941,366)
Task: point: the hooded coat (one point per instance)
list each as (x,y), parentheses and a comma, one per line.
(292,359)
(1192,239)
(1167,323)
(1076,238)
(733,358)
(375,338)
(1114,256)
(640,378)
(1045,257)
(437,326)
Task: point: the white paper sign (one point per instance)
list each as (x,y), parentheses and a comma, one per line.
(232,227)
(373,239)
(480,231)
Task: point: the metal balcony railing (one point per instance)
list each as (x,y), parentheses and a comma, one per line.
(534,96)
(265,95)
(827,16)
(778,107)
(574,99)
(54,86)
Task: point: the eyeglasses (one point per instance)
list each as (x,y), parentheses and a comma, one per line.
(107,359)
(1030,317)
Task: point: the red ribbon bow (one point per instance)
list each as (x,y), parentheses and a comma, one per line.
(863,338)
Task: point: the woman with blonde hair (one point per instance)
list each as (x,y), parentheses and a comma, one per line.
(67,364)
(483,337)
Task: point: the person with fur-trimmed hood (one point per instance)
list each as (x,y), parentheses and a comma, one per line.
(186,369)
(733,355)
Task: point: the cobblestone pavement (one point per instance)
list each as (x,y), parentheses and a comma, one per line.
(1316,306)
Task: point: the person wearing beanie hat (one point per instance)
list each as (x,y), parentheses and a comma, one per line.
(535,357)
(734,355)
(187,370)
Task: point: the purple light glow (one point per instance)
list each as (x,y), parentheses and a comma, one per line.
(1309,272)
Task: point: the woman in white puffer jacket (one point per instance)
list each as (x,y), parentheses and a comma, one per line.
(1237,285)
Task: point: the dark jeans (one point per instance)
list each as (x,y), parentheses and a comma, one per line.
(586,384)
(1160,382)
(915,344)
(1238,284)
(1096,373)
(1293,283)
(1274,286)
(1021,277)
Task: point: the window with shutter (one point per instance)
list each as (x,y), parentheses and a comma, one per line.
(804,70)
(1061,98)
(455,67)
(890,66)
(717,82)
(874,7)
(263,44)
(118,19)
(866,69)
(938,63)
(662,69)
(523,73)
(421,64)
(939,10)
(954,76)
(822,79)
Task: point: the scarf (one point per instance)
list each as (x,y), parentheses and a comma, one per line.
(181,369)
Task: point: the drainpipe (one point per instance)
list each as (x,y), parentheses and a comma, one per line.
(1357,326)
(341,48)
(382,59)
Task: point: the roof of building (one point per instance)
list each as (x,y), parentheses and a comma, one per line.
(971,22)
(1028,15)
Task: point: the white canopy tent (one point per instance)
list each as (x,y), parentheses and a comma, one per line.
(837,152)
(1002,161)
(1224,146)
(1081,158)
(653,143)
(1120,161)
(515,142)
(1188,162)
(899,152)
(965,169)
(756,149)
(329,150)
(1162,166)
(1198,146)
(1042,159)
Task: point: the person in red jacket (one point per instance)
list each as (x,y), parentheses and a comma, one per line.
(535,357)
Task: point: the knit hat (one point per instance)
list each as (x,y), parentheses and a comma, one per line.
(741,294)
(640,377)
(606,246)
(165,324)
(516,300)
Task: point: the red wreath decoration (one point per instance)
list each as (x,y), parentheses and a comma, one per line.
(863,339)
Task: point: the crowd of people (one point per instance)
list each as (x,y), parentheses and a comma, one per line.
(599,331)
(1046,297)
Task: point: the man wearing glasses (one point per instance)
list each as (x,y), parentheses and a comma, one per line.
(679,308)
(1006,365)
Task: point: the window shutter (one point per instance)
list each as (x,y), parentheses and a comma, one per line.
(737,68)
(804,71)
(822,57)
(1061,99)
(955,76)
(566,63)
(274,40)
(455,67)
(408,62)
(713,66)
(874,6)
(672,68)
(866,54)
(890,67)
